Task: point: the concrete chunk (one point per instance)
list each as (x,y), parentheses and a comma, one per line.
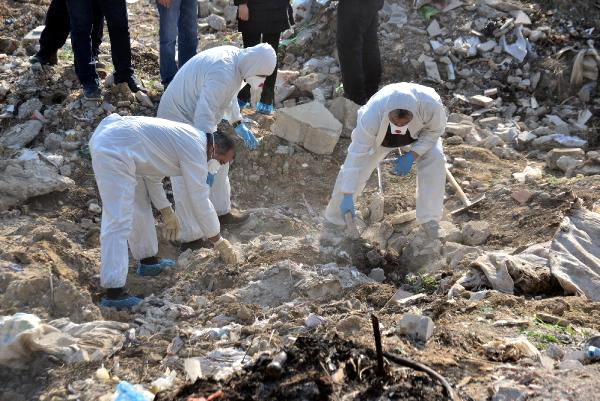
(309,124)
(345,111)
(555,154)
(20,135)
(475,232)
(481,100)
(418,327)
(432,71)
(459,129)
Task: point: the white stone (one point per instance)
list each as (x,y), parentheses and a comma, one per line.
(309,82)
(432,71)
(314,320)
(568,164)
(521,18)
(216,22)
(492,141)
(417,327)
(28,107)
(548,142)
(570,364)
(377,274)
(21,134)
(475,232)
(459,162)
(345,111)
(95,208)
(23,179)
(309,124)
(555,154)
(481,100)
(33,36)
(487,46)
(509,394)
(458,129)
(434,29)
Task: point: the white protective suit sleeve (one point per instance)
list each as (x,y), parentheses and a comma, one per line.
(363,141)
(434,118)
(194,175)
(156,191)
(207,113)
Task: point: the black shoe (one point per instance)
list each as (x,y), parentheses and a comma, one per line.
(233,219)
(135,85)
(195,245)
(91,91)
(38,59)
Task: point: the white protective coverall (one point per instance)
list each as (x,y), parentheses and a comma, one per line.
(365,151)
(203,92)
(127,150)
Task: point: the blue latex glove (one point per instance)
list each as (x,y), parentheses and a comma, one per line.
(403,164)
(264,108)
(210,179)
(347,205)
(243,132)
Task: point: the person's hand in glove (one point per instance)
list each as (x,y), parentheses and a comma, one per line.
(210,179)
(404,164)
(171,224)
(243,132)
(347,205)
(226,251)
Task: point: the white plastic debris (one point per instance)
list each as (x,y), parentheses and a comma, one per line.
(518,49)
(165,382)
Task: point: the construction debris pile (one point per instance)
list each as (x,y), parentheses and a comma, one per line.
(504,306)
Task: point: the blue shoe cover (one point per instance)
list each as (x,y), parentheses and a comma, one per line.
(154,270)
(242,104)
(264,108)
(124,303)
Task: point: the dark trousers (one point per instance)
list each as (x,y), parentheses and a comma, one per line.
(57,28)
(81,17)
(358,49)
(268,93)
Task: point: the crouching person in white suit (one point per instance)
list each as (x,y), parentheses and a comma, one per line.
(126,151)
(401,115)
(202,93)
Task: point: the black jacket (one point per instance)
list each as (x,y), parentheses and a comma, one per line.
(266,16)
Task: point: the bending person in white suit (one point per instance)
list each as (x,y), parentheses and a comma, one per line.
(125,151)
(401,115)
(202,93)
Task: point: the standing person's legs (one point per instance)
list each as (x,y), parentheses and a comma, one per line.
(81,20)
(55,32)
(167,33)
(97,28)
(372,58)
(431,184)
(115,12)
(268,93)
(351,27)
(250,39)
(188,30)
(332,212)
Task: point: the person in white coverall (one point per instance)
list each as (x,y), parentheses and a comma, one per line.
(126,151)
(202,93)
(401,115)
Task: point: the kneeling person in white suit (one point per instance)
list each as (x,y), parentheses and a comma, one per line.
(126,151)
(401,115)
(202,93)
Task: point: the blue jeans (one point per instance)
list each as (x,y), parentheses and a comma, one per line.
(179,19)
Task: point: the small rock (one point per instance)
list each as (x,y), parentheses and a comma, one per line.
(377,274)
(483,101)
(417,327)
(314,320)
(95,208)
(434,29)
(555,352)
(521,195)
(350,324)
(21,134)
(475,232)
(454,140)
(576,355)
(459,162)
(216,22)
(570,364)
(27,108)
(491,92)
(144,99)
(459,129)
(509,394)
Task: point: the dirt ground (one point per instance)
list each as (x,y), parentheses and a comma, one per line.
(290,270)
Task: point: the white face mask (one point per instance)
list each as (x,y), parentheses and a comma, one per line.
(255,82)
(213,166)
(396,130)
